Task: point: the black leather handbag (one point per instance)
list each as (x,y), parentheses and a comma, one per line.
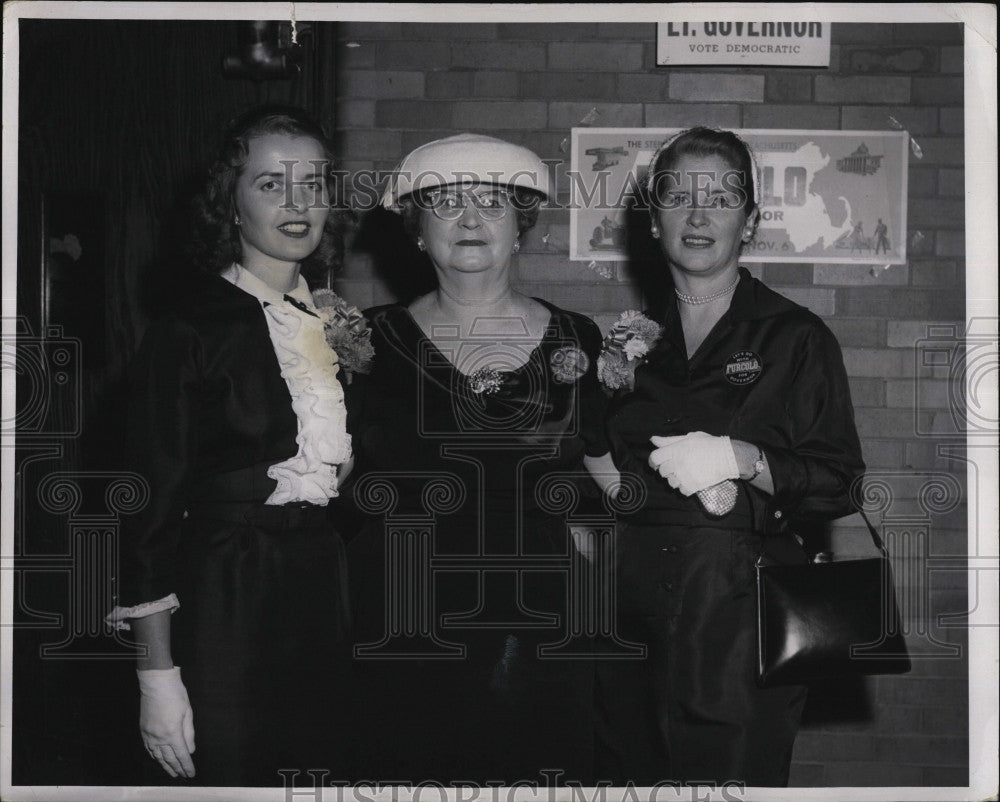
(819,619)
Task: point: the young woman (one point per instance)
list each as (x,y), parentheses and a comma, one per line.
(233,572)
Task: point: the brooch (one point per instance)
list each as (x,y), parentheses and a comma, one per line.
(485,381)
(568,364)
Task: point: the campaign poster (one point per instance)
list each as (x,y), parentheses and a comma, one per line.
(825,196)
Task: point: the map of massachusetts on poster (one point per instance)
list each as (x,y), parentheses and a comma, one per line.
(826,196)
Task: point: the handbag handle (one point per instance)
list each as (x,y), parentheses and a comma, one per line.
(876,538)
(775,540)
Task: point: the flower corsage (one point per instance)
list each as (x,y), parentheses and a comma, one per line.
(347,332)
(624,347)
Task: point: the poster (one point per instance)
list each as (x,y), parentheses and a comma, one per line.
(826,196)
(741,37)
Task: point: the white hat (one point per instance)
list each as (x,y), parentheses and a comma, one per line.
(466,159)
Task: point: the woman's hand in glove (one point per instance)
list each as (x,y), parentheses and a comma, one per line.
(166,720)
(693,461)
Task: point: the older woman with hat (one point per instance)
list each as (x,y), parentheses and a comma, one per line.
(486,394)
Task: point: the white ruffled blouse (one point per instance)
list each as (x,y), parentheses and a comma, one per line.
(309,368)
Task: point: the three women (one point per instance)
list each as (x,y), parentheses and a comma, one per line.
(491,392)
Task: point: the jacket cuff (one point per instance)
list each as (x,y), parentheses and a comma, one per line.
(791,480)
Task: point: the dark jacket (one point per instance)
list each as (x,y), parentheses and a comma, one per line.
(770,373)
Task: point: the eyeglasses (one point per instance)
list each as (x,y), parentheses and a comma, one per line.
(450,204)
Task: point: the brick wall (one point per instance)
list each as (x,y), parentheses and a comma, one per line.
(400,85)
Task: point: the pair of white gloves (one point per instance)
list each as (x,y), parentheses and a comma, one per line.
(166,720)
(695,461)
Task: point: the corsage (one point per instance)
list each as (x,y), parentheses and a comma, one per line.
(624,347)
(347,332)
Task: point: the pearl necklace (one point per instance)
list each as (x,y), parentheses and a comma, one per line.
(697,300)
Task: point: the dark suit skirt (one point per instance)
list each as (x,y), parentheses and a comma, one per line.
(261,639)
(501,712)
(692,709)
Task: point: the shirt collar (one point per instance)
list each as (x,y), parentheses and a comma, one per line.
(239,276)
(753,300)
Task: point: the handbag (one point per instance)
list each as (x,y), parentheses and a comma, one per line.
(819,619)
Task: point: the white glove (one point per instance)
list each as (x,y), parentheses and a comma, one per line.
(694,461)
(166,720)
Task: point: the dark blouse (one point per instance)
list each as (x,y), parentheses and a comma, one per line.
(769,373)
(498,559)
(418,412)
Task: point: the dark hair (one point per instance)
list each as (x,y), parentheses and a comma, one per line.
(215,240)
(703,141)
(526,203)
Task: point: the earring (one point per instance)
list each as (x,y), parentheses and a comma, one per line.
(236,219)
(655,232)
(517,245)
(420,244)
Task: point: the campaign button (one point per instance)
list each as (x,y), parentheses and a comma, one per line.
(743,367)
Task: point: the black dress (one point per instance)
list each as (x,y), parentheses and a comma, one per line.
(454,615)
(261,631)
(769,373)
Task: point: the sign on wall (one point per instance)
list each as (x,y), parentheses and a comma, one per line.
(826,196)
(740,37)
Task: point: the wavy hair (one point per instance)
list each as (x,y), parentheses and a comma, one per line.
(214,240)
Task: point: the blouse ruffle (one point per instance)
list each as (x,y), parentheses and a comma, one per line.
(309,367)
(118,618)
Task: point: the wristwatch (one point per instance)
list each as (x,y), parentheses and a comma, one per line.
(758,465)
